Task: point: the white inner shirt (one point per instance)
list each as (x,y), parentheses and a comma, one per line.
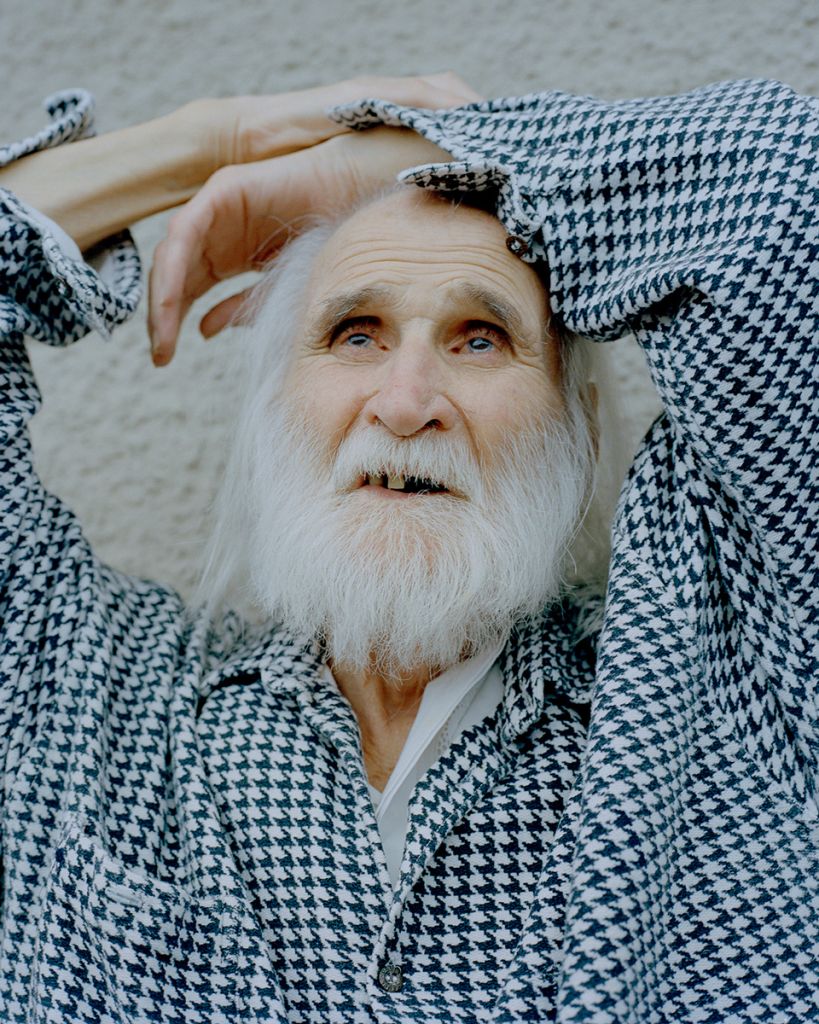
(451,703)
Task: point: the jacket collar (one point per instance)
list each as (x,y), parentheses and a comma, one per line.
(550,658)
(545,659)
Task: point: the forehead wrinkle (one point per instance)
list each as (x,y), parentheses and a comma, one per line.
(478,272)
(339,307)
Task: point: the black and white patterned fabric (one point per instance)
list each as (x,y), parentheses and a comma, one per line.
(187,834)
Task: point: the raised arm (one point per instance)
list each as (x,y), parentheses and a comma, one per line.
(94,187)
(104,184)
(49,295)
(91,187)
(691,221)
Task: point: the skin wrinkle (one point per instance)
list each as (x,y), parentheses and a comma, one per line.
(336,309)
(345,259)
(339,308)
(348,264)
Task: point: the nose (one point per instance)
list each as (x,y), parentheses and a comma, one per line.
(411,395)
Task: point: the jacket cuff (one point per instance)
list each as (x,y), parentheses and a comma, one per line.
(48,290)
(484,140)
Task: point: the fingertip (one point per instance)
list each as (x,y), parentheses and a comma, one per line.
(163,330)
(206,330)
(161,355)
(224,314)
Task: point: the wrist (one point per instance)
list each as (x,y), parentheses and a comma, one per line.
(96,187)
(198,140)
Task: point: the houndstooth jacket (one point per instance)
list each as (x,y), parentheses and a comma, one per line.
(187,834)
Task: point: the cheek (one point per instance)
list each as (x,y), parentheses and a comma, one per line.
(325,399)
(500,407)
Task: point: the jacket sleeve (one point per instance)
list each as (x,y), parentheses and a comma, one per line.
(48,295)
(690,221)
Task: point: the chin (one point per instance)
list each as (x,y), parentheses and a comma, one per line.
(389,531)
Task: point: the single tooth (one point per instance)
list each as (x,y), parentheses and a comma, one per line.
(395,483)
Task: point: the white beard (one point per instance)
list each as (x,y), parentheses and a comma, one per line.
(422,581)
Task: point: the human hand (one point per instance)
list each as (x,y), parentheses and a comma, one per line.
(245,213)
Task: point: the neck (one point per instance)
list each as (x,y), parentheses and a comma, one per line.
(385,709)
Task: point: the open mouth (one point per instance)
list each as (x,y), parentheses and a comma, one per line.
(405,484)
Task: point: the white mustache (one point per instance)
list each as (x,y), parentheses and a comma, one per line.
(432,457)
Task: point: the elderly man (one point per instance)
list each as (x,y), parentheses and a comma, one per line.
(389,803)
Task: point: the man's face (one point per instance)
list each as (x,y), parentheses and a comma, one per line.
(417,476)
(421,321)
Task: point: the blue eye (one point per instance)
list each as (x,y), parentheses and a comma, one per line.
(479,344)
(358,340)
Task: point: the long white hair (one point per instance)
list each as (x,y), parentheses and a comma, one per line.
(265,549)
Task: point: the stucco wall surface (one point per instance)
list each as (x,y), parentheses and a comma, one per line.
(135,451)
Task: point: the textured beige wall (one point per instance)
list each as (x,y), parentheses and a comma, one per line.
(136,451)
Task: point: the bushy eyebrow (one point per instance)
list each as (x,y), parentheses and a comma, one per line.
(495,305)
(342,306)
